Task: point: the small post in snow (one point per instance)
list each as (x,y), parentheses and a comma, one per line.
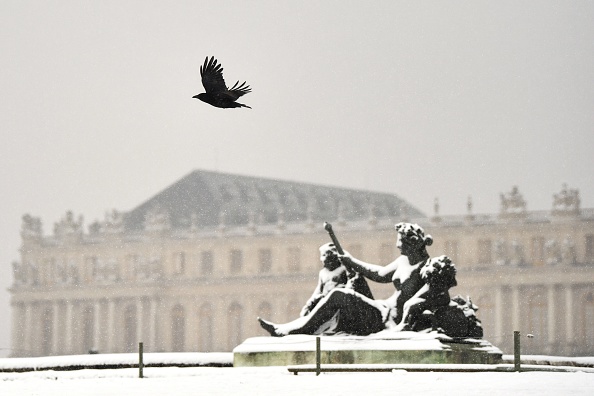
(517,351)
(318,356)
(140,361)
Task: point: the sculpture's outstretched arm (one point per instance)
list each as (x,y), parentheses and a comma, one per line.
(374,272)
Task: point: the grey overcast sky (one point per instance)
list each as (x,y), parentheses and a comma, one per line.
(422,99)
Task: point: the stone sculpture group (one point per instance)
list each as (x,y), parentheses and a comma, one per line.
(343,304)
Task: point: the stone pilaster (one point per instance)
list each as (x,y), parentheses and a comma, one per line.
(68,347)
(109,331)
(18,328)
(153,324)
(139,319)
(27,330)
(516,325)
(97,325)
(569,319)
(498,315)
(55,350)
(551,318)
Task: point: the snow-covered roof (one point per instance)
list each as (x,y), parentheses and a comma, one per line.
(206,198)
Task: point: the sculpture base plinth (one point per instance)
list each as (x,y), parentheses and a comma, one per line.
(381,348)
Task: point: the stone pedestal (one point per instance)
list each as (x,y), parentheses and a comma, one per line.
(380,348)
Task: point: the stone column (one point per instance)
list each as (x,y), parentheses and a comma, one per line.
(68,347)
(516,308)
(192,327)
(18,330)
(569,325)
(153,325)
(498,314)
(139,319)
(110,331)
(551,317)
(56,329)
(28,330)
(97,325)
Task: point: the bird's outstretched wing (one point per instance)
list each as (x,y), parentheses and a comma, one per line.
(212,76)
(238,90)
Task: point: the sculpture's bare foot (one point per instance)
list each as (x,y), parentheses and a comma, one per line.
(269,327)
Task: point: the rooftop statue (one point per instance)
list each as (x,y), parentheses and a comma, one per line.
(568,200)
(31,227)
(513,202)
(421,301)
(68,225)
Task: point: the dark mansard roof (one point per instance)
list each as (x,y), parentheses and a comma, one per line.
(207,199)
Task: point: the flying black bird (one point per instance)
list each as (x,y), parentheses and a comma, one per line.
(217,93)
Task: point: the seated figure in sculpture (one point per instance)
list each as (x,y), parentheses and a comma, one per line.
(332,275)
(432,308)
(344,310)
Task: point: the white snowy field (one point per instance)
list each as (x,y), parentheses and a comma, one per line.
(278,381)
(272,380)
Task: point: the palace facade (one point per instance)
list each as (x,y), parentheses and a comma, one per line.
(191,268)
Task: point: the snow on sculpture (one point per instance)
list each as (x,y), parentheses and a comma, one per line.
(332,275)
(432,308)
(421,301)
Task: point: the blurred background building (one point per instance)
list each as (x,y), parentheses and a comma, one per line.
(191,268)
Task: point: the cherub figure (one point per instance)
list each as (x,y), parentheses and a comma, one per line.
(332,275)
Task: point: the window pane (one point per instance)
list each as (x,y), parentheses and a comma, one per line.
(265,259)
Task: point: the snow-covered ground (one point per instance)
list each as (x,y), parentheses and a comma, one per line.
(272,380)
(117,359)
(278,381)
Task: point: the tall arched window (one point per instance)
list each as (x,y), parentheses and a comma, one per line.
(294,259)
(236,260)
(88,327)
(205,321)
(178,328)
(47,331)
(264,312)
(235,325)
(130,337)
(265,260)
